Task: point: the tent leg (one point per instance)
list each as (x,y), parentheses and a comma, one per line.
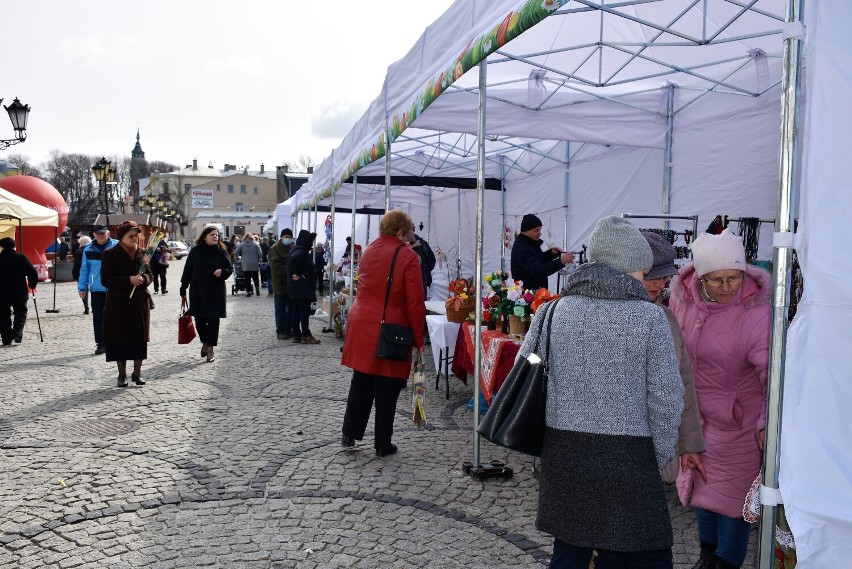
(781,267)
(53,310)
(330,244)
(476,469)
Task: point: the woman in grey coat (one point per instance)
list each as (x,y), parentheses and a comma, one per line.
(250,255)
(614,401)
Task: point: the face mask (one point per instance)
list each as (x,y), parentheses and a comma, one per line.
(287,241)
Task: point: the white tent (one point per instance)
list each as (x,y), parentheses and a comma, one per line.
(670,108)
(15,211)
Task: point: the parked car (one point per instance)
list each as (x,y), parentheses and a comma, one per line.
(178,249)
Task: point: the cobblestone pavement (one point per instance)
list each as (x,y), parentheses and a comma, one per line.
(237,463)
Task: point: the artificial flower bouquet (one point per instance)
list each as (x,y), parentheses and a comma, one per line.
(153,241)
(460,303)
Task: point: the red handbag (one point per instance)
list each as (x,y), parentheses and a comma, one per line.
(186,329)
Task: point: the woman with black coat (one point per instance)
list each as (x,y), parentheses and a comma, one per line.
(207,268)
(302,287)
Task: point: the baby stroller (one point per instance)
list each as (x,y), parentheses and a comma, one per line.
(241,282)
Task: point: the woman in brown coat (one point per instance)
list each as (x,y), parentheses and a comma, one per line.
(375,379)
(127,312)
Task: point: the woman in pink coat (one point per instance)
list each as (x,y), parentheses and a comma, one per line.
(722,305)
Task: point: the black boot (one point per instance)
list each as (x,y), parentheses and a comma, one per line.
(707,559)
(722,564)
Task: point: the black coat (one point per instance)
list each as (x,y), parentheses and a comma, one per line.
(300,263)
(532,265)
(427,259)
(16,274)
(126,319)
(206,291)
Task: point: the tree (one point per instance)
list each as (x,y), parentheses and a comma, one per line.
(300,164)
(22,163)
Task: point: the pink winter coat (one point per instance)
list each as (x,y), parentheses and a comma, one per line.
(729,348)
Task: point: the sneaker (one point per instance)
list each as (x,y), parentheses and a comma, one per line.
(99,350)
(283,336)
(309,340)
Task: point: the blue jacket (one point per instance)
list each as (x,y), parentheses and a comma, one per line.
(90,266)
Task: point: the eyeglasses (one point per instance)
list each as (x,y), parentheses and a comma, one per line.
(730,281)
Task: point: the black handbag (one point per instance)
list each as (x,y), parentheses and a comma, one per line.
(515,419)
(394,340)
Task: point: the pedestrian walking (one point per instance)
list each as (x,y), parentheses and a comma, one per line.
(302,286)
(82,241)
(127,310)
(17,275)
(250,254)
(279,255)
(89,282)
(376,379)
(207,268)
(160,265)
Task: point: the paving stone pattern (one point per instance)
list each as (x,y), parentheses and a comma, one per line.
(238,463)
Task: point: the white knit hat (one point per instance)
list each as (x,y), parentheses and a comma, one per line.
(718,253)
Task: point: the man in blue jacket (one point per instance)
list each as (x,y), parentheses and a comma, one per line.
(529,263)
(90,278)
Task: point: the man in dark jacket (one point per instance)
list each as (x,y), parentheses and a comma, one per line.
(318,258)
(16,275)
(279,255)
(529,263)
(427,259)
(302,287)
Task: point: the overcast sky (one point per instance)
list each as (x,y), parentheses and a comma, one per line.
(238,82)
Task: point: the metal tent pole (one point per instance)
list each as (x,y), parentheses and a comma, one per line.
(53,310)
(667,155)
(387,178)
(458,233)
(788,184)
(352,244)
(330,243)
(503,212)
(476,469)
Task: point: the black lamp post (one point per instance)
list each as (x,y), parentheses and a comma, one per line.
(18,114)
(105,175)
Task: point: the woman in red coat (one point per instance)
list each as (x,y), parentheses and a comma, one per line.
(377,378)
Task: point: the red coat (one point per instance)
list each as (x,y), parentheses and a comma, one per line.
(405,306)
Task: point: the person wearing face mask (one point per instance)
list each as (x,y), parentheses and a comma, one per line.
(279,255)
(614,401)
(723,306)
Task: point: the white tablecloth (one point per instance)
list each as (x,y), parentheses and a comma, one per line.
(443,335)
(436,307)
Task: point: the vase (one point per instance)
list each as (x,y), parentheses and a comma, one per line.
(518,326)
(492,324)
(505,323)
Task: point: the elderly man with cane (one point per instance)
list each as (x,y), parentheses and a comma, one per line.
(17,274)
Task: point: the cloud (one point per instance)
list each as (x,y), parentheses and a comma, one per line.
(336,119)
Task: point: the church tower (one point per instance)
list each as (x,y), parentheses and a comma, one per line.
(138,165)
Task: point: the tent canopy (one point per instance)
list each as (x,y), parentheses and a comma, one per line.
(15,211)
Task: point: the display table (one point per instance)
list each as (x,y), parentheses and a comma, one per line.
(436,307)
(443,336)
(498,357)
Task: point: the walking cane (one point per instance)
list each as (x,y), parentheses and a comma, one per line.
(38,321)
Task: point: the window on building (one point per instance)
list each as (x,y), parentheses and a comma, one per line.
(218,188)
(243,189)
(255,190)
(239,206)
(230,188)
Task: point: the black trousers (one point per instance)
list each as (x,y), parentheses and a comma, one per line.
(208,330)
(98,300)
(159,272)
(320,274)
(301,309)
(254,277)
(10,329)
(363,390)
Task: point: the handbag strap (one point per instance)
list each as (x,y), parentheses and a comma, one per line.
(549,309)
(390,280)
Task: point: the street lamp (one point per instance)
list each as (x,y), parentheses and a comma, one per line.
(18,114)
(105,175)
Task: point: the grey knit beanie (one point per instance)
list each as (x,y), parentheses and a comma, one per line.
(664,256)
(617,244)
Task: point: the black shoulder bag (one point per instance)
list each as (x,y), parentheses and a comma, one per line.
(515,419)
(394,340)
